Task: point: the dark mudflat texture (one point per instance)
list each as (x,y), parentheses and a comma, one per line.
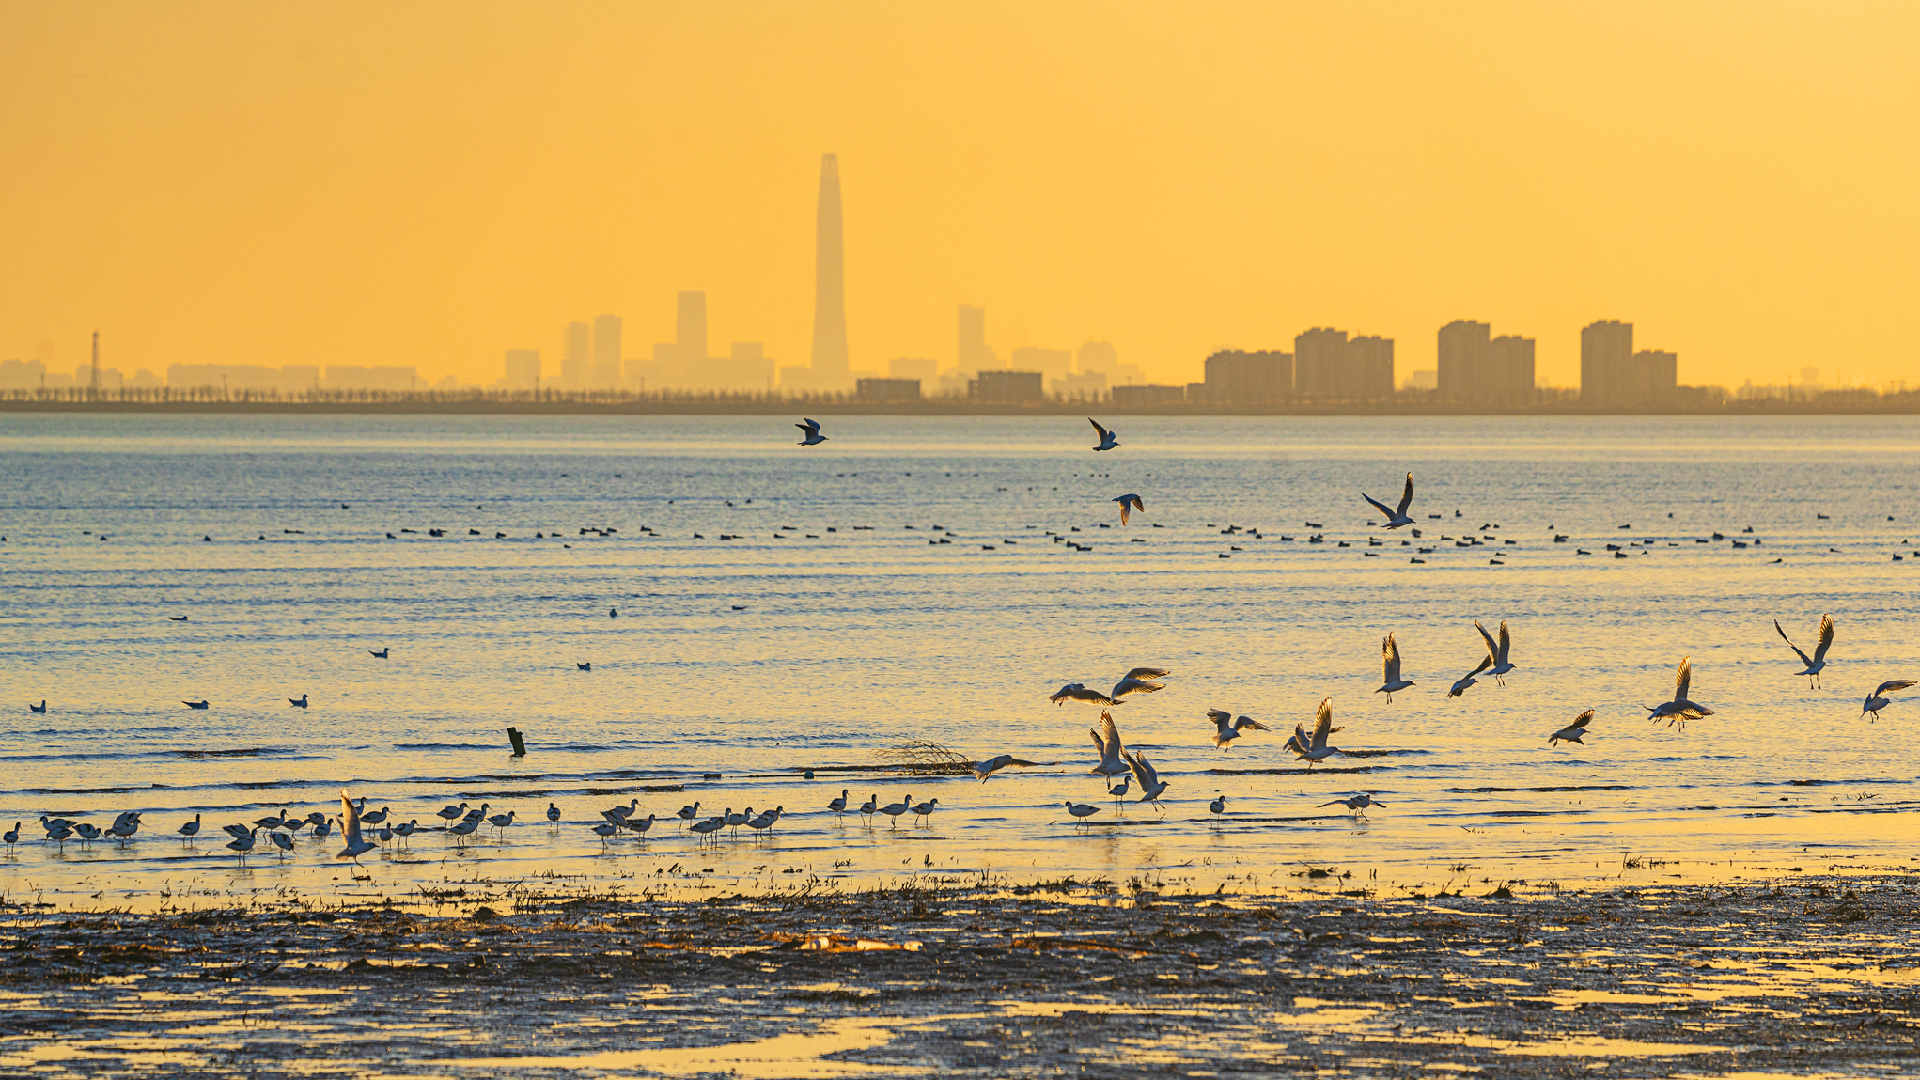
(1814,976)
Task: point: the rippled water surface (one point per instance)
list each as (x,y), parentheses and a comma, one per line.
(247,560)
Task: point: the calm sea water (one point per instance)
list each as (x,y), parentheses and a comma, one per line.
(830,628)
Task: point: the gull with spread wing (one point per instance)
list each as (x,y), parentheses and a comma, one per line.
(1878,699)
(1074,691)
(1390,680)
(1461,684)
(1128,503)
(1818,661)
(1106,739)
(1107,438)
(1314,749)
(1574,732)
(1227,729)
(1679,710)
(810,432)
(1397,516)
(1497,651)
(1151,786)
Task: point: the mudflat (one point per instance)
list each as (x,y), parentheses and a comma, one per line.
(1810,976)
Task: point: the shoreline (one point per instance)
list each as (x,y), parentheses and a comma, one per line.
(1803,975)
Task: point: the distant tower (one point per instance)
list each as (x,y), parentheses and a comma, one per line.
(576,364)
(974,353)
(606,351)
(93,388)
(692,327)
(830,295)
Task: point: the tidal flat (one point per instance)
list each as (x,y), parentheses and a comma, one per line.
(1805,977)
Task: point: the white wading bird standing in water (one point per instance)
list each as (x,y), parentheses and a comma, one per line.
(1818,661)
(1106,739)
(1228,729)
(1130,502)
(1390,680)
(1497,651)
(811,430)
(1679,710)
(1107,439)
(1314,749)
(1574,732)
(1397,516)
(1878,699)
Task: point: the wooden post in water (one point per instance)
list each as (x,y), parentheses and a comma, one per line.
(519,744)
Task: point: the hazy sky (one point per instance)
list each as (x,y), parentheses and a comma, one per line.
(434,183)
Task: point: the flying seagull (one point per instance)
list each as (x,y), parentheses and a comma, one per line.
(1497,651)
(985,769)
(1107,439)
(1574,732)
(1148,673)
(1129,503)
(1460,686)
(1397,516)
(1878,699)
(1818,662)
(1228,729)
(1314,749)
(1358,804)
(1134,686)
(1679,710)
(1390,680)
(357,845)
(812,436)
(1074,691)
(1106,739)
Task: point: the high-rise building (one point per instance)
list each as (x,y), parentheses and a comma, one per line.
(1606,357)
(1654,377)
(1367,374)
(1463,361)
(1100,356)
(606,351)
(1317,357)
(523,370)
(830,356)
(692,328)
(576,364)
(1239,378)
(974,354)
(1510,374)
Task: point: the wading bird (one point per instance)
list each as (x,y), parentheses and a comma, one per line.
(1081,811)
(243,843)
(1679,710)
(1358,804)
(1397,516)
(1575,732)
(1818,661)
(1390,680)
(190,830)
(894,810)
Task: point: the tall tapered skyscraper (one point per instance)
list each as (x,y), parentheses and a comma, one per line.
(830,297)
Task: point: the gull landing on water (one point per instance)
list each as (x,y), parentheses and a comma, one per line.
(350,830)
(1397,516)
(1679,710)
(1151,786)
(1107,439)
(984,770)
(1229,729)
(1818,661)
(1878,699)
(1129,503)
(1314,749)
(1574,732)
(1390,680)
(811,433)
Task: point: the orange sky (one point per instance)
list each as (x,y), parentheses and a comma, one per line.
(433,183)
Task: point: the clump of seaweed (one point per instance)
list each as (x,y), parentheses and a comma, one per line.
(925,758)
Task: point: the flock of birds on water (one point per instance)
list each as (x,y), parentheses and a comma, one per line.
(1119,768)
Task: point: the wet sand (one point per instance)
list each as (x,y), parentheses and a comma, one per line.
(1810,976)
